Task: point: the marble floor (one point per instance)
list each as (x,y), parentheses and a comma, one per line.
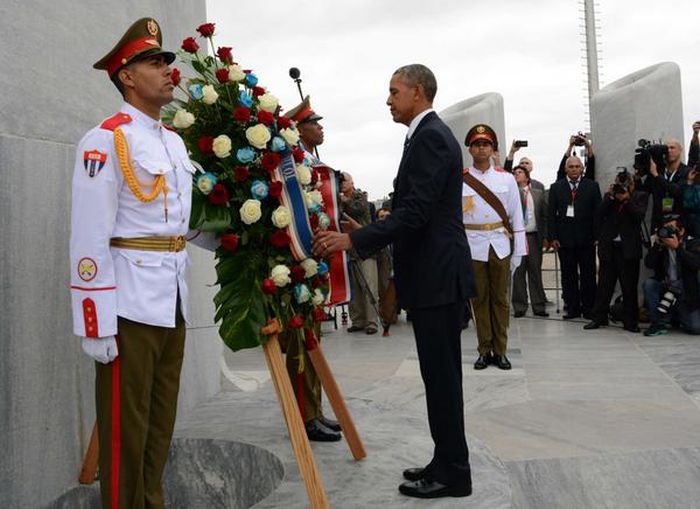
(585,419)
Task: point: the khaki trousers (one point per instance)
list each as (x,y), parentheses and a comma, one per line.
(491,309)
(362,313)
(136,402)
(306,384)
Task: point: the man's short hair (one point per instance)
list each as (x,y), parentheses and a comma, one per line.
(418,74)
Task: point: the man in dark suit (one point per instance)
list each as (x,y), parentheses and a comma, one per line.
(571,232)
(619,217)
(432,271)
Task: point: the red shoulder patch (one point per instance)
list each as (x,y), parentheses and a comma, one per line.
(115,121)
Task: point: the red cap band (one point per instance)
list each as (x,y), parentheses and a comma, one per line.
(128,51)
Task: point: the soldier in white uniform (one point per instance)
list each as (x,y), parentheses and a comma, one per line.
(130,213)
(490,240)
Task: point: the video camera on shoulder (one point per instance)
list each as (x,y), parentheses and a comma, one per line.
(647,151)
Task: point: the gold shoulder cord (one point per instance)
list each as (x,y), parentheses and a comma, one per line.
(158,186)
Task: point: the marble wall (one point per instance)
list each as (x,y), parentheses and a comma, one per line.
(485,108)
(51,96)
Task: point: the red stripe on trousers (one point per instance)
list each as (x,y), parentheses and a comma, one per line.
(116,430)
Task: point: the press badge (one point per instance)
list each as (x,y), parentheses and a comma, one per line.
(570,211)
(667,205)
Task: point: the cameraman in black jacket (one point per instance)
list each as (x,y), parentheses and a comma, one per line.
(673,290)
(665,184)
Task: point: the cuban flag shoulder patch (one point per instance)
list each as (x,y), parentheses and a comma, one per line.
(94,161)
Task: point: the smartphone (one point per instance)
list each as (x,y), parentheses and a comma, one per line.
(520,143)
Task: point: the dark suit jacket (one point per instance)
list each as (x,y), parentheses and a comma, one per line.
(660,188)
(574,231)
(624,220)
(432,261)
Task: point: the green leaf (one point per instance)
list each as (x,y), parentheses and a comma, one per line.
(197,214)
(216,218)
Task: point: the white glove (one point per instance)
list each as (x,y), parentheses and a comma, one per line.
(514,263)
(103,350)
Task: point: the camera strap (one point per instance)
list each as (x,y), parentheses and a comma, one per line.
(489,198)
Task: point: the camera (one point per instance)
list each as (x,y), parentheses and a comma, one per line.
(647,151)
(623,182)
(520,143)
(580,139)
(666,232)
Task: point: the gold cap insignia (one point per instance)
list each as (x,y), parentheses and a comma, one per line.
(481,129)
(152,27)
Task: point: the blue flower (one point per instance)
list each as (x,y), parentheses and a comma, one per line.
(244,99)
(322,268)
(251,79)
(196,91)
(245,155)
(278,144)
(314,207)
(206,182)
(259,189)
(301,293)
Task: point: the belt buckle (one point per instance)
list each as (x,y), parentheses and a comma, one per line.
(178,243)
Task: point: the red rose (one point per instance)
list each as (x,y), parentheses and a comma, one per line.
(242,173)
(270,161)
(275,189)
(241,114)
(313,219)
(229,241)
(299,155)
(318,315)
(283,123)
(258,91)
(222,75)
(269,287)
(296,322)
(314,177)
(190,45)
(218,195)
(175,76)
(316,282)
(280,239)
(207,29)
(224,54)
(205,144)
(297,273)
(265,117)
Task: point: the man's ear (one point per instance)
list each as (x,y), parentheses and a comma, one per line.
(126,77)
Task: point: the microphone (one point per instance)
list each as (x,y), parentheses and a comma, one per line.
(294,73)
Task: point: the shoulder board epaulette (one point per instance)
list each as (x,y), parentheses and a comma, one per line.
(115,121)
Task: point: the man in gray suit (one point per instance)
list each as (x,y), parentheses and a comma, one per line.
(534,213)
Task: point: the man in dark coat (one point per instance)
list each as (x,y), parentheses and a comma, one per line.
(432,269)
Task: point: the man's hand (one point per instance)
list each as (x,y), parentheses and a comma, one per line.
(103,350)
(691,175)
(515,263)
(348,224)
(554,244)
(671,242)
(327,242)
(546,245)
(653,170)
(513,149)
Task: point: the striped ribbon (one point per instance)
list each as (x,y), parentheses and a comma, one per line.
(292,197)
(339,261)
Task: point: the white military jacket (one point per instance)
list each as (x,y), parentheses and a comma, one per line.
(477,211)
(107,282)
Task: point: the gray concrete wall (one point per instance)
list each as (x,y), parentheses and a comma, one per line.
(486,109)
(645,104)
(50,97)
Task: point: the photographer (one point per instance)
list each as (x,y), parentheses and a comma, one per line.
(666,176)
(619,217)
(524,162)
(672,293)
(579,140)
(691,202)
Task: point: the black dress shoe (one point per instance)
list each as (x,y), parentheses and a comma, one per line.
(414,474)
(501,362)
(519,314)
(433,489)
(631,328)
(540,313)
(482,362)
(593,324)
(317,432)
(355,328)
(329,423)
(571,316)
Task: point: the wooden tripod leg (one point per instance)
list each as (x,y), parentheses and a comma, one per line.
(335,398)
(88,471)
(297,432)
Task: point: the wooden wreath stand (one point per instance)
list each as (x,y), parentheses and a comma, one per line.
(297,432)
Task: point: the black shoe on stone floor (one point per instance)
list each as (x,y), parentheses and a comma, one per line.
(424,488)
(355,328)
(594,324)
(519,314)
(482,362)
(571,316)
(317,432)
(330,423)
(632,328)
(414,474)
(501,362)
(540,313)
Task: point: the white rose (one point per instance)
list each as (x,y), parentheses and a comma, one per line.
(315,197)
(183,119)
(258,136)
(290,135)
(250,211)
(318,297)
(304,174)
(310,267)
(281,217)
(280,275)
(268,102)
(222,146)
(209,94)
(235,73)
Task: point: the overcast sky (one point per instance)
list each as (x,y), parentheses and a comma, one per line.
(529,52)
